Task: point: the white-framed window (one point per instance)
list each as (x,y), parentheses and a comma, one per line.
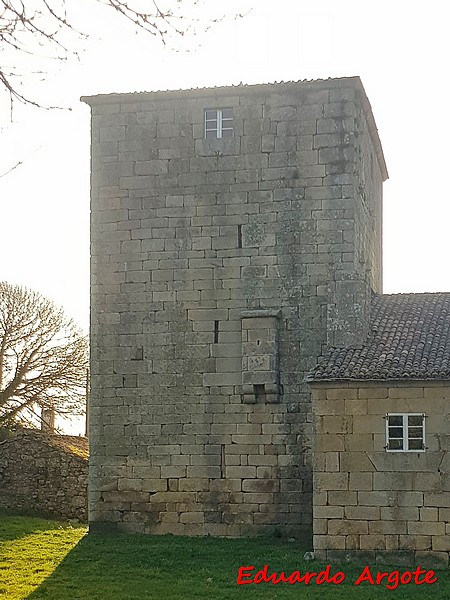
(218,123)
(405,432)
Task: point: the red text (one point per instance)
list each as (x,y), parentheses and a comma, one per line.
(394,578)
(246,576)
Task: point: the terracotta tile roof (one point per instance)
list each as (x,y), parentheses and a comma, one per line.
(409,338)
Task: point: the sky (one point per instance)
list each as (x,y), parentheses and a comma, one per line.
(400,50)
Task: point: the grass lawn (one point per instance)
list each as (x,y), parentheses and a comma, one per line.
(48,560)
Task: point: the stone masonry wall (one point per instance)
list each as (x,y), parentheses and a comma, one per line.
(355,162)
(219,268)
(42,474)
(391,506)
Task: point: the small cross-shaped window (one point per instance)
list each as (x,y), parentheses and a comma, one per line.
(405,432)
(218,123)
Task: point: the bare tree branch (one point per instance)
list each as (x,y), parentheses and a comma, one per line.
(20,162)
(26,25)
(43,357)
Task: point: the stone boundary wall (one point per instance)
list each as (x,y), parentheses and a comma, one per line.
(379,505)
(43,474)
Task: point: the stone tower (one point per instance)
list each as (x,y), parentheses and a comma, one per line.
(236,232)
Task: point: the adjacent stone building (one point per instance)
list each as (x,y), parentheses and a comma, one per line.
(236,233)
(382,431)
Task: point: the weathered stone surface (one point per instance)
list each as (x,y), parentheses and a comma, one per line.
(221,268)
(402,500)
(46,474)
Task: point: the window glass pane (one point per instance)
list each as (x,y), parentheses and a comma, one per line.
(396,444)
(396,420)
(211,134)
(415,432)
(211,114)
(395,432)
(211,125)
(227,113)
(415,420)
(415,444)
(227,133)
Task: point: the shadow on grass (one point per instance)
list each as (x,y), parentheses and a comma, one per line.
(13,527)
(133,567)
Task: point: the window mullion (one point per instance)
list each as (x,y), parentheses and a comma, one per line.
(219,123)
(405,432)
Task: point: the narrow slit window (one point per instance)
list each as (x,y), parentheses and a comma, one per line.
(239,236)
(222,461)
(218,123)
(405,432)
(216,332)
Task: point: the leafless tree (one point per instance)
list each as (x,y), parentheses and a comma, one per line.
(43,358)
(42,27)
